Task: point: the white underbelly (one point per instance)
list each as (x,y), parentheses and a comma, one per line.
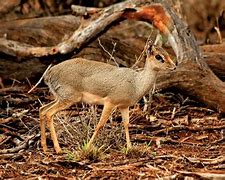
(92,98)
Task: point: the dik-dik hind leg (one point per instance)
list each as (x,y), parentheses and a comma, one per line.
(42,112)
(107,109)
(56,107)
(125,116)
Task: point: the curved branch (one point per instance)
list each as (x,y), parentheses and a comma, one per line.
(99,23)
(15,48)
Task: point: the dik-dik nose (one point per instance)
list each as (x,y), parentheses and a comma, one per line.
(173,65)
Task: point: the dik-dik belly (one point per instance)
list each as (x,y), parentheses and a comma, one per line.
(92,98)
(96,99)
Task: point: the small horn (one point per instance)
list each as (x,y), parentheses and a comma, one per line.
(150,49)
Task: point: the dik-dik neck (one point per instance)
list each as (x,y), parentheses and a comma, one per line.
(146,79)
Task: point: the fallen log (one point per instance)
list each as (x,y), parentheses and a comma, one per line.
(153,13)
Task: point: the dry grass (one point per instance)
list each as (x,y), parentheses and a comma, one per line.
(75,127)
(137,150)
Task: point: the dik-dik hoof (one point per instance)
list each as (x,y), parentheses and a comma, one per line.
(58,150)
(45,149)
(129,147)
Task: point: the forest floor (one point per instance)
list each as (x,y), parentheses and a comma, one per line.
(174,138)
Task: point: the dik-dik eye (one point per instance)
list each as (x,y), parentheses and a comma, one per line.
(159,58)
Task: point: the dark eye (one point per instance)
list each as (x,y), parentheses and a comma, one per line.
(159,58)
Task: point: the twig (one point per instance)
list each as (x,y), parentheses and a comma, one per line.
(110,54)
(66,129)
(13,150)
(219,140)
(65,163)
(214,161)
(123,162)
(159,140)
(175,176)
(17,148)
(113,50)
(178,128)
(4,121)
(84,11)
(220,166)
(143,52)
(120,168)
(173,113)
(203,175)
(6,156)
(15,88)
(5,140)
(28,81)
(14,117)
(6,128)
(40,79)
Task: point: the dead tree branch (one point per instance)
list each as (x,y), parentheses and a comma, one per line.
(100,22)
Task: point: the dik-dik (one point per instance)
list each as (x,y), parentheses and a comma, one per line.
(82,80)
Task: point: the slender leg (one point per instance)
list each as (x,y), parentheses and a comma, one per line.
(125,116)
(108,107)
(58,106)
(42,112)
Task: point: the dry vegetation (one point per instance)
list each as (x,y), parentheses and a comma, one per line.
(175,137)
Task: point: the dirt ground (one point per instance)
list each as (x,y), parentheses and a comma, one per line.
(180,137)
(176,137)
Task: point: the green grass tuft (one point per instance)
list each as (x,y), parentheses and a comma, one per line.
(91,153)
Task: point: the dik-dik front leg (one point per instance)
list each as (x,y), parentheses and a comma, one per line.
(108,108)
(125,116)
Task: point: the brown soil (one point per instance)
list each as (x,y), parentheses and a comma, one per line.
(179,136)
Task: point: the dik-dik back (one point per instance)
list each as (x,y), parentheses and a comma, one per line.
(79,77)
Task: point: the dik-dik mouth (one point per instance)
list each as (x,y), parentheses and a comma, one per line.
(172,68)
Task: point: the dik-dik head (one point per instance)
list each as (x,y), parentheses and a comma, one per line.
(160,59)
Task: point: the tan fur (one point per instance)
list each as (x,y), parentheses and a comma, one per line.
(81,80)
